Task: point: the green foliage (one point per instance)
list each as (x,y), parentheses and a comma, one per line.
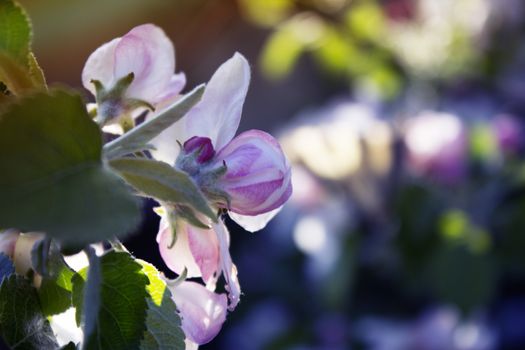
(163,324)
(112,302)
(19,70)
(55,288)
(138,137)
(15,31)
(22,324)
(163,182)
(52,178)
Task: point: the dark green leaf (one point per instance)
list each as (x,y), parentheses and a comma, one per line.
(112,303)
(163,325)
(151,128)
(161,181)
(22,324)
(51,176)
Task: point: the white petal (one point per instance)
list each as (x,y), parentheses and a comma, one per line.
(166,147)
(203,312)
(218,114)
(100,65)
(229,270)
(254,223)
(149,54)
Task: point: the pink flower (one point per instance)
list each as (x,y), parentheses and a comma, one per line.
(258,175)
(248,174)
(257,178)
(202,311)
(146,52)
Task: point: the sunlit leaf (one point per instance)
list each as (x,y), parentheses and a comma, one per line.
(112,302)
(163,325)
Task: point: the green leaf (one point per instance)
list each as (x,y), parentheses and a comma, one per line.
(15,76)
(112,302)
(19,70)
(55,289)
(52,178)
(161,181)
(22,324)
(151,128)
(15,31)
(163,325)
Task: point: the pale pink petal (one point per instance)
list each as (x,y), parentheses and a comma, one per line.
(178,257)
(205,250)
(100,65)
(149,54)
(218,114)
(229,270)
(254,223)
(202,311)
(172,91)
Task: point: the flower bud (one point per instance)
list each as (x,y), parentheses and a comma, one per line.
(258,176)
(201,147)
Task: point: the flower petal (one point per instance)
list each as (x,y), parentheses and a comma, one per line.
(149,54)
(218,114)
(100,66)
(229,270)
(258,177)
(203,312)
(254,223)
(178,257)
(204,247)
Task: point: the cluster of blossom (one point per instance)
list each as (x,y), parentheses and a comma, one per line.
(246,176)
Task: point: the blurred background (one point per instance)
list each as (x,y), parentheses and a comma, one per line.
(403,120)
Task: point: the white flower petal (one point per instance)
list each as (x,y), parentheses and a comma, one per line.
(100,65)
(254,223)
(218,114)
(149,54)
(229,270)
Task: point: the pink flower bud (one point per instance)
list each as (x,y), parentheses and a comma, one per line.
(258,175)
(201,147)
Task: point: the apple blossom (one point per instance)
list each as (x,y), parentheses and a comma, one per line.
(135,70)
(247,175)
